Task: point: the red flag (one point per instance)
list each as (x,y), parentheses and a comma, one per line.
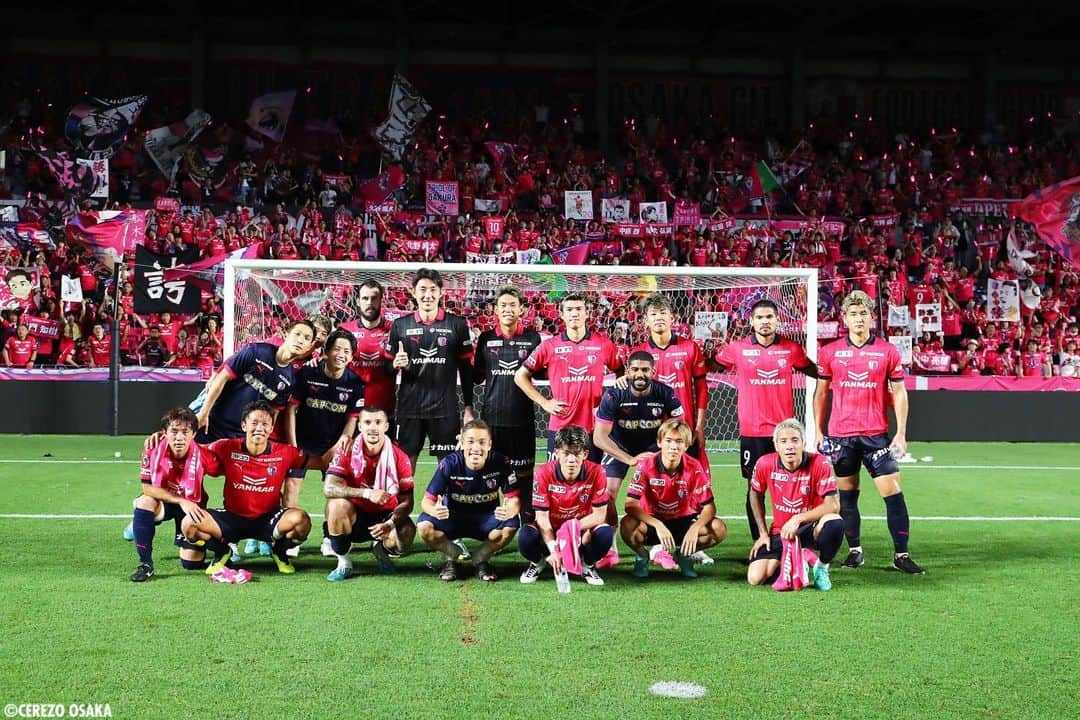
(573,255)
(501,153)
(110,234)
(386,184)
(1055,213)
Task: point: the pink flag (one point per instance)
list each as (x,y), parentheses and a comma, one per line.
(1055,213)
(567,543)
(573,255)
(110,234)
(501,152)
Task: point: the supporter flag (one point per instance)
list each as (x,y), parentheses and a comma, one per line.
(207,274)
(928,317)
(70,289)
(99,167)
(157,293)
(578,204)
(378,189)
(269,114)
(487,205)
(652,212)
(1055,213)
(441,198)
(1017,257)
(1003,300)
(206,166)
(615,210)
(110,234)
(74,177)
(903,343)
(96,126)
(407,109)
(573,255)
(165,145)
(501,152)
(763,181)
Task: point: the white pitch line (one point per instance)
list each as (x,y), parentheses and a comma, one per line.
(921,518)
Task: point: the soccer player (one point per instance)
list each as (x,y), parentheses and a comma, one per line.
(670,503)
(507,410)
(462,501)
(865,375)
(262,482)
(802,491)
(763,363)
(575,361)
(172,489)
(371,329)
(568,487)
(369,496)
(432,349)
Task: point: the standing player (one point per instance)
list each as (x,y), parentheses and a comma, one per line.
(670,503)
(865,375)
(763,363)
(568,487)
(172,489)
(262,482)
(575,361)
(371,329)
(802,491)
(369,496)
(507,410)
(432,349)
(462,501)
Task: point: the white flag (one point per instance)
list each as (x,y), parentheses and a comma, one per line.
(165,145)
(652,212)
(70,289)
(1017,257)
(1003,300)
(578,204)
(269,114)
(100,168)
(928,317)
(407,109)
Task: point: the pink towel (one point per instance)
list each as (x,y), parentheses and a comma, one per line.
(385,470)
(568,543)
(794,566)
(192,477)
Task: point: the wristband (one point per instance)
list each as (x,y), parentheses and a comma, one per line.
(551,545)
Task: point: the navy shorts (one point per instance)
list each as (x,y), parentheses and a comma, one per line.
(750,450)
(676,526)
(775,546)
(871,450)
(235,528)
(441,432)
(469,525)
(518,444)
(364,520)
(595,454)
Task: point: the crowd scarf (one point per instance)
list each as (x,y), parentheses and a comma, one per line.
(192,477)
(568,540)
(794,566)
(386,477)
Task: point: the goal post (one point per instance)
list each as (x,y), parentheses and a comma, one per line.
(711,305)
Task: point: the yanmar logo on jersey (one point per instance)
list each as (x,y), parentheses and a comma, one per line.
(577,375)
(427,357)
(768,377)
(858,380)
(669,379)
(506,367)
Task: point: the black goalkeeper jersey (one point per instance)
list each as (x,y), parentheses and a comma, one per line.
(437,352)
(496,360)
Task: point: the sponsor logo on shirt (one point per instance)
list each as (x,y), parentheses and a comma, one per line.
(751,353)
(328,405)
(495,343)
(656,482)
(559,489)
(414,331)
(239,457)
(253,481)
(260,387)
(845,354)
(563,350)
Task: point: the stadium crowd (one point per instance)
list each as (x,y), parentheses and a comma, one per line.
(908,238)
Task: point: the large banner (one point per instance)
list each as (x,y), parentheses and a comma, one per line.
(687,214)
(109,233)
(155,293)
(615,210)
(983,206)
(1055,213)
(578,204)
(652,212)
(269,114)
(1003,300)
(407,109)
(99,168)
(17,289)
(441,198)
(45,328)
(96,126)
(165,145)
(102,374)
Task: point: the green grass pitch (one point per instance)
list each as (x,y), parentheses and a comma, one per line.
(992,629)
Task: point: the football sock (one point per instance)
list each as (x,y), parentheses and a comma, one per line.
(530,544)
(193,564)
(829,540)
(602,537)
(750,519)
(280,545)
(340,544)
(142,524)
(896,514)
(325,529)
(217,547)
(849,511)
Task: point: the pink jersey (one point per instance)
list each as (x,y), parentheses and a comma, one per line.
(369,364)
(20,351)
(793,491)
(860,379)
(576,373)
(681,366)
(564,500)
(172,480)
(343,466)
(669,496)
(253,482)
(764,380)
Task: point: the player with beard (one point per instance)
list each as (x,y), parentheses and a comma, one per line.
(371,328)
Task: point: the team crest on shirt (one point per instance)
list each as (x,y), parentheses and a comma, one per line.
(271,470)
(523,353)
(441,341)
(591,359)
(679,364)
(804,489)
(583,498)
(782,362)
(282,385)
(491,482)
(343,396)
(873,364)
(656,412)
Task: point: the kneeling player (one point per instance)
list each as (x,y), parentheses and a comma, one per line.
(369,495)
(260,477)
(172,483)
(670,503)
(802,490)
(569,487)
(462,501)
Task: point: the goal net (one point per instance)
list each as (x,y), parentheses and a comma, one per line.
(711,305)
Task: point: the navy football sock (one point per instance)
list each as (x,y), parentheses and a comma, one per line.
(325,529)
(849,511)
(750,519)
(340,544)
(142,524)
(896,514)
(193,564)
(829,540)
(531,544)
(602,537)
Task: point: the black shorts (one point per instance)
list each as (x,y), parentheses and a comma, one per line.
(469,525)
(595,454)
(518,444)
(442,432)
(871,450)
(776,545)
(364,520)
(235,528)
(676,526)
(750,449)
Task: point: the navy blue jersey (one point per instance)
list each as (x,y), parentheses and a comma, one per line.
(255,376)
(634,419)
(439,351)
(495,361)
(472,491)
(324,406)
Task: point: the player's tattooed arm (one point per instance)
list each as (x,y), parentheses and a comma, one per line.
(334,487)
